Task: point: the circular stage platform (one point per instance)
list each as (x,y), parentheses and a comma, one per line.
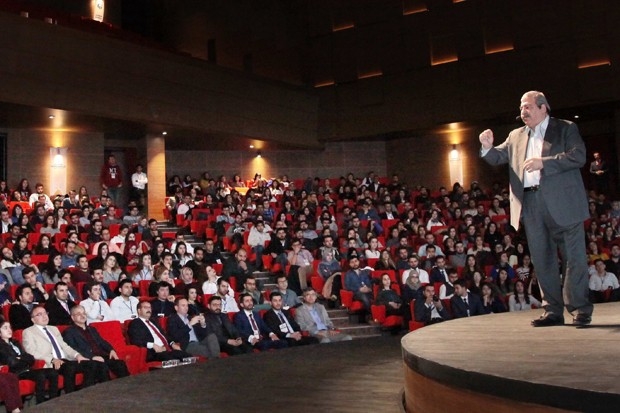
(499,363)
(356,376)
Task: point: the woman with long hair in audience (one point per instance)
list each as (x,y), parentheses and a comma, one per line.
(103,252)
(475,287)
(83,197)
(373,252)
(8,258)
(80,246)
(471,267)
(435,220)
(111,269)
(24,189)
(159,247)
(16,196)
(210,284)
(237,182)
(16,214)
(389,298)
(491,303)
(521,300)
(25,226)
(385,261)
(195,307)
(593,233)
(609,237)
(4,191)
(145,269)
(52,268)
(60,215)
(393,238)
(495,208)
(21,245)
(162,274)
(173,184)
(504,285)
(594,253)
(448,247)
(181,256)
(21,364)
(492,235)
(50,227)
(525,269)
(521,250)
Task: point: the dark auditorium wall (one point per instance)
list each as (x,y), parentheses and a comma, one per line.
(28,156)
(338,158)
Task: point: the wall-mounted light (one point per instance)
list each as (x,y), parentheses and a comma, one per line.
(164,133)
(58,170)
(51,116)
(98,10)
(258,154)
(454,153)
(456,166)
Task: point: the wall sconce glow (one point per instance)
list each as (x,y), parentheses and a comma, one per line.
(98,9)
(164,133)
(251,146)
(58,170)
(51,116)
(456,166)
(258,154)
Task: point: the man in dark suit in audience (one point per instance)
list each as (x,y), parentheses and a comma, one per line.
(463,303)
(59,305)
(429,309)
(192,333)
(143,332)
(87,341)
(19,313)
(252,328)
(162,305)
(97,276)
(227,335)
(284,325)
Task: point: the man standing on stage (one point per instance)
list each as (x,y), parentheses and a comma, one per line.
(547,193)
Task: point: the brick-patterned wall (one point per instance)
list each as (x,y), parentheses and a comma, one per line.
(336,159)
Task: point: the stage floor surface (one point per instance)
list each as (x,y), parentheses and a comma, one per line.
(567,367)
(364,375)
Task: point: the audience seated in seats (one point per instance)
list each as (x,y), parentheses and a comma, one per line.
(387,297)
(38,290)
(227,296)
(145,269)
(162,275)
(300,261)
(237,266)
(250,287)
(198,265)
(313,318)
(602,283)
(96,308)
(504,286)
(209,286)
(82,272)
(428,308)
(21,363)
(51,268)
(187,281)
(282,323)
(145,333)
(19,313)
(521,300)
(613,263)
(228,337)
(385,261)
(279,246)
(163,303)
(463,303)
(290,299)
(491,303)
(257,240)
(97,276)
(192,332)
(359,281)
(505,265)
(25,261)
(413,268)
(252,328)
(45,343)
(212,254)
(439,273)
(87,341)
(125,305)
(446,291)
(59,305)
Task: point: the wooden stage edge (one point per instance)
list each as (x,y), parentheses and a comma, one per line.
(499,363)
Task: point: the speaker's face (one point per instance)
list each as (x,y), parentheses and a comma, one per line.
(531,114)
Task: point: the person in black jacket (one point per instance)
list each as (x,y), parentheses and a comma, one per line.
(227,335)
(283,324)
(13,354)
(59,305)
(87,341)
(192,333)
